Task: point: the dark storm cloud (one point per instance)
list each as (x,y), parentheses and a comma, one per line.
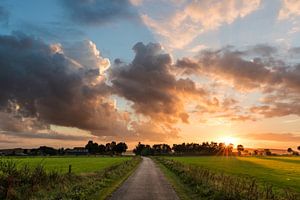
(152,87)
(50,135)
(4,15)
(37,81)
(97,12)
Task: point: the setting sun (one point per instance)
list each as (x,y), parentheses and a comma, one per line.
(229,140)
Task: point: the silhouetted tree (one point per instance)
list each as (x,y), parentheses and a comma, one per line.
(290,150)
(121,147)
(101,149)
(255,152)
(240,148)
(92,147)
(298,148)
(267,152)
(48,150)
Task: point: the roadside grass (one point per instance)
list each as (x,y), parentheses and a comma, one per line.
(281,172)
(118,178)
(183,192)
(197,182)
(24,182)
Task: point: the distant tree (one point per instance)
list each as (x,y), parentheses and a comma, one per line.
(290,150)
(255,152)
(298,148)
(92,147)
(138,149)
(101,149)
(89,146)
(143,150)
(113,147)
(107,148)
(267,152)
(48,150)
(240,148)
(146,151)
(121,147)
(61,151)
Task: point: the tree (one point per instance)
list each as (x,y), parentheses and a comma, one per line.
(298,148)
(92,147)
(143,150)
(290,150)
(48,150)
(138,149)
(240,148)
(101,149)
(267,152)
(121,147)
(255,152)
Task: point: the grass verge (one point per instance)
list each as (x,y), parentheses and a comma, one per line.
(118,179)
(37,183)
(207,184)
(183,192)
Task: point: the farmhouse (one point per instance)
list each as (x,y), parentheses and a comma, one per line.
(77,151)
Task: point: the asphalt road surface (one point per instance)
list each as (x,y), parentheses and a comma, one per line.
(146,183)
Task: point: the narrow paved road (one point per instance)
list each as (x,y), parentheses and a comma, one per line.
(146,183)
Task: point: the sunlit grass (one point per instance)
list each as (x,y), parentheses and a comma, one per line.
(279,171)
(79,164)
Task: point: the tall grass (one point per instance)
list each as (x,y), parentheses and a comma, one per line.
(208,184)
(24,182)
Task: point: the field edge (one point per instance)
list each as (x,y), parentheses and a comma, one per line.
(182,190)
(107,192)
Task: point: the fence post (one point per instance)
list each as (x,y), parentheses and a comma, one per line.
(70,169)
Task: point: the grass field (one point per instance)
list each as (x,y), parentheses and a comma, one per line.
(80,164)
(92,177)
(282,172)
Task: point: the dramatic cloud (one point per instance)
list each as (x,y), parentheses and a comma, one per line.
(197,17)
(278,137)
(256,68)
(152,87)
(289,9)
(4,15)
(46,135)
(40,85)
(98,12)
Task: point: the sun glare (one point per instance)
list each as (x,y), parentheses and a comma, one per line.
(228,140)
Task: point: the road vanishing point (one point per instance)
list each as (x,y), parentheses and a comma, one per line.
(146,183)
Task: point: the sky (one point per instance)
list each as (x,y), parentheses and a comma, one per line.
(163,71)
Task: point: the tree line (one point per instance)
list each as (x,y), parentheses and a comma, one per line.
(112,148)
(91,147)
(205,148)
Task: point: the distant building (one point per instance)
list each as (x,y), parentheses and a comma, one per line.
(12,152)
(77,151)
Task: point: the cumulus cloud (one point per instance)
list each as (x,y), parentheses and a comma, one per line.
(4,15)
(256,68)
(289,9)
(41,85)
(149,83)
(98,12)
(198,16)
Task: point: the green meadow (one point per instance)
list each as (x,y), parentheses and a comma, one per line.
(92,177)
(281,172)
(80,164)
